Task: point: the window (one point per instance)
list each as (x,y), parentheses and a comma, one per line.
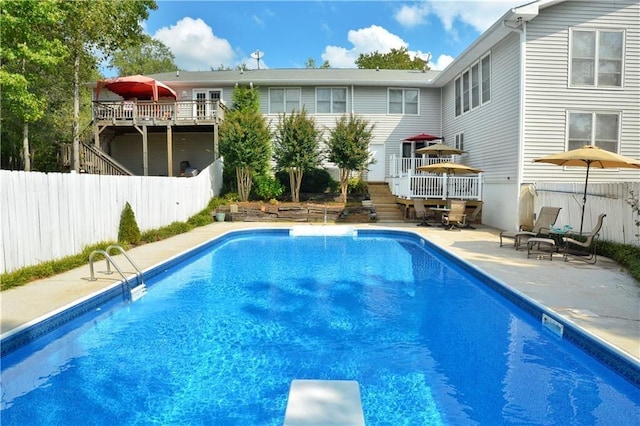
(596,58)
(594,128)
(475,86)
(459,144)
(331,100)
(458,95)
(465,91)
(472,88)
(403,101)
(486,79)
(284,100)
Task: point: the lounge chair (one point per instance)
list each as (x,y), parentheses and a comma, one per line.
(541,228)
(421,211)
(456,216)
(583,246)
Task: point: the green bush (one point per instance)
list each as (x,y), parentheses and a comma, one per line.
(128,232)
(266,187)
(356,186)
(626,255)
(315,181)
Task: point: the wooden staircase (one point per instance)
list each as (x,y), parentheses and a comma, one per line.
(384,201)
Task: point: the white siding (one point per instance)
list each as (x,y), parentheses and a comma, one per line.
(491,133)
(549,96)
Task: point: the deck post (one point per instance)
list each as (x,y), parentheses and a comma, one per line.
(169,152)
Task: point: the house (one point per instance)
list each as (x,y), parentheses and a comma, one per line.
(548,76)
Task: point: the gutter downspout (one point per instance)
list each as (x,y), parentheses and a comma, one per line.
(520,28)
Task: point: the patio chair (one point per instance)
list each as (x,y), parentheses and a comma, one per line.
(421,211)
(473,216)
(541,228)
(455,218)
(583,246)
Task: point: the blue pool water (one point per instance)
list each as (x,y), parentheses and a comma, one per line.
(219,338)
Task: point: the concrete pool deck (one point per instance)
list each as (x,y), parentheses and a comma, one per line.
(602,299)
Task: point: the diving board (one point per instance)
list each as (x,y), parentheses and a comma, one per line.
(324,402)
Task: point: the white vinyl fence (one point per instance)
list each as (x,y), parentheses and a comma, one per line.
(47,216)
(609,198)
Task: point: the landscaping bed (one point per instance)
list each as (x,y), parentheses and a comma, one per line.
(296,212)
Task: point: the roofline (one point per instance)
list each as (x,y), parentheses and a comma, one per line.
(509,22)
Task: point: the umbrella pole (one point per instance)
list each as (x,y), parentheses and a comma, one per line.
(584,197)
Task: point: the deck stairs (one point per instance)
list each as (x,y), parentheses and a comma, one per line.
(384,201)
(94,161)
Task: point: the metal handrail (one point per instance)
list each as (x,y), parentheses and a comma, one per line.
(109,260)
(121,250)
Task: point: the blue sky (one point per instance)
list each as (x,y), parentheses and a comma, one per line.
(207,34)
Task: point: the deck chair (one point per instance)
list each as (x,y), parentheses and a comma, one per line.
(455,218)
(541,228)
(473,216)
(583,246)
(421,211)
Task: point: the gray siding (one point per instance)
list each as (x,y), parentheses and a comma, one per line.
(491,130)
(549,96)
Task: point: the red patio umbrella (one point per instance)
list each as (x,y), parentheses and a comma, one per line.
(423,137)
(136,86)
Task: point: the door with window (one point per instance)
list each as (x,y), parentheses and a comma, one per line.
(205,103)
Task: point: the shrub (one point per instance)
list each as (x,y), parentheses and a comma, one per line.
(356,186)
(315,181)
(267,187)
(128,232)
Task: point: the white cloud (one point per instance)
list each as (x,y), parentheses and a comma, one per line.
(412,16)
(195,46)
(478,14)
(365,40)
(441,63)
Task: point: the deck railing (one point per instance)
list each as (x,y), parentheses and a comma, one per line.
(399,166)
(405,182)
(178,111)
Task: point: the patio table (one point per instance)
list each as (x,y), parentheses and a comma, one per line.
(439,212)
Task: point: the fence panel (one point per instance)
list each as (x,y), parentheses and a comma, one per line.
(609,198)
(47,216)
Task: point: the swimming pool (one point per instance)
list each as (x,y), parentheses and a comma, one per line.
(223,331)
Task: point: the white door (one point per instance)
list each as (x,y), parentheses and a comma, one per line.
(376,170)
(205,103)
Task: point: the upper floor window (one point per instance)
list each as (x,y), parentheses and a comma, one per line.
(472,88)
(331,100)
(596,57)
(284,100)
(486,78)
(601,129)
(403,101)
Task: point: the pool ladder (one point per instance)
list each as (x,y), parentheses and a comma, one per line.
(132,293)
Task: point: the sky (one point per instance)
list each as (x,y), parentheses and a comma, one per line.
(205,35)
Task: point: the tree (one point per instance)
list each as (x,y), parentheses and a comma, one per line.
(98,26)
(296,147)
(396,59)
(348,147)
(149,57)
(311,63)
(28,52)
(245,139)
